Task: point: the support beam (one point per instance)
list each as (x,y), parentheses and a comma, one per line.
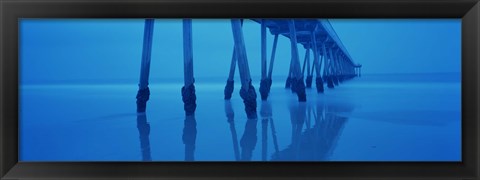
(308,80)
(298,85)
(247,91)
(306,63)
(325,64)
(263,49)
(305,59)
(272,56)
(187,53)
(228,91)
(265,82)
(188,90)
(330,70)
(229,87)
(143,93)
(335,68)
(288,82)
(317,64)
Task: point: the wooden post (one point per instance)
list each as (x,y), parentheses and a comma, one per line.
(187,52)
(299,86)
(143,93)
(290,75)
(241,54)
(308,62)
(317,64)
(146,53)
(188,90)
(228,91)
(264,82)
(325,57)
(272,58)
(295,55)
(335,67)
(330,69)
(247,91)
(264,49)
(233,64)
(305,61)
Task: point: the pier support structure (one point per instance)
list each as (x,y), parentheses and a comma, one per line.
(229,87)
(143,93)
(317,63)
(266,81)
(337,63)
(188,93)
(358,70)
(298,85)
(188,90)
(327,71)
(247,91)
(306,62)
(335,67)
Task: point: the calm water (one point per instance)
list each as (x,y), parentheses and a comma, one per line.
(372,118)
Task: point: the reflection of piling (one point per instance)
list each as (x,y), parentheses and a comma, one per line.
(297,114)
(266,114)
(313,143)
(189,137)
(249,139)
(274,136)
(144,130)
(231,121)
(264,139)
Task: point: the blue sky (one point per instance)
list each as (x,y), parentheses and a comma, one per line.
(110,49)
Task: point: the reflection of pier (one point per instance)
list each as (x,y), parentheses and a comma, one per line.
(331,61)
(315,131)
(189,137)
(144,131)
(314,143)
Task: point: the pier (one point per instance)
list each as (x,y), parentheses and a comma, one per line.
(331,63)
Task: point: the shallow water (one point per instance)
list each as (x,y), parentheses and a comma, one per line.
(370,118)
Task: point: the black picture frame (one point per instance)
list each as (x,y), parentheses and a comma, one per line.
(12,10)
